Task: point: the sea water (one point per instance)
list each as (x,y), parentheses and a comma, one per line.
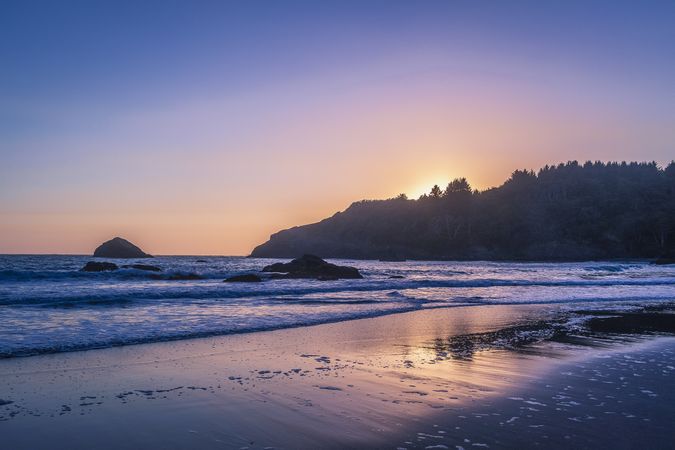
(47,304)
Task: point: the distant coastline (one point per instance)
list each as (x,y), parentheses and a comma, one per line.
(524,261)
(358,258)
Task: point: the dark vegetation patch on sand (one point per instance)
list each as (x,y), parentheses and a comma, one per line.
(641,322)
(601,328)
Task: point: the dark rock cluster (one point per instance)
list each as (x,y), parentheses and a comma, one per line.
(98,266)
(310,266)
(94,266)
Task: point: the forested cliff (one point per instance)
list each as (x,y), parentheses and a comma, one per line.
(570,211)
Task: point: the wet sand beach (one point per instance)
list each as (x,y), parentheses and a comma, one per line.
(444,378)
(614,399)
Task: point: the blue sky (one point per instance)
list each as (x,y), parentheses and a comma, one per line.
(230,120)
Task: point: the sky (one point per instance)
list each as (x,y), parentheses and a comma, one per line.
(201,127)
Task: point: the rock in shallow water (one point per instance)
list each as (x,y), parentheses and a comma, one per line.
(248,278)
(185,276)
(119,248)
(93,266)
(310,266)
(145,267)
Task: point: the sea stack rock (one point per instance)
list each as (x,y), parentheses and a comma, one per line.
(310,266)
(119,248)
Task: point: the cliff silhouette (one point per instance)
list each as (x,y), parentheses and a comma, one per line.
(569,211)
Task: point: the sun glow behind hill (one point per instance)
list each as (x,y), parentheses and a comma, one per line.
(422,188)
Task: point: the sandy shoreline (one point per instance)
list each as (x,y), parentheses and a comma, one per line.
(386,382)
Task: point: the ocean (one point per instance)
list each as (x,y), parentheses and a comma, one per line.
(48,305)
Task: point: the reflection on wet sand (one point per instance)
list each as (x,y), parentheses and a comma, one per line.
(364,382)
